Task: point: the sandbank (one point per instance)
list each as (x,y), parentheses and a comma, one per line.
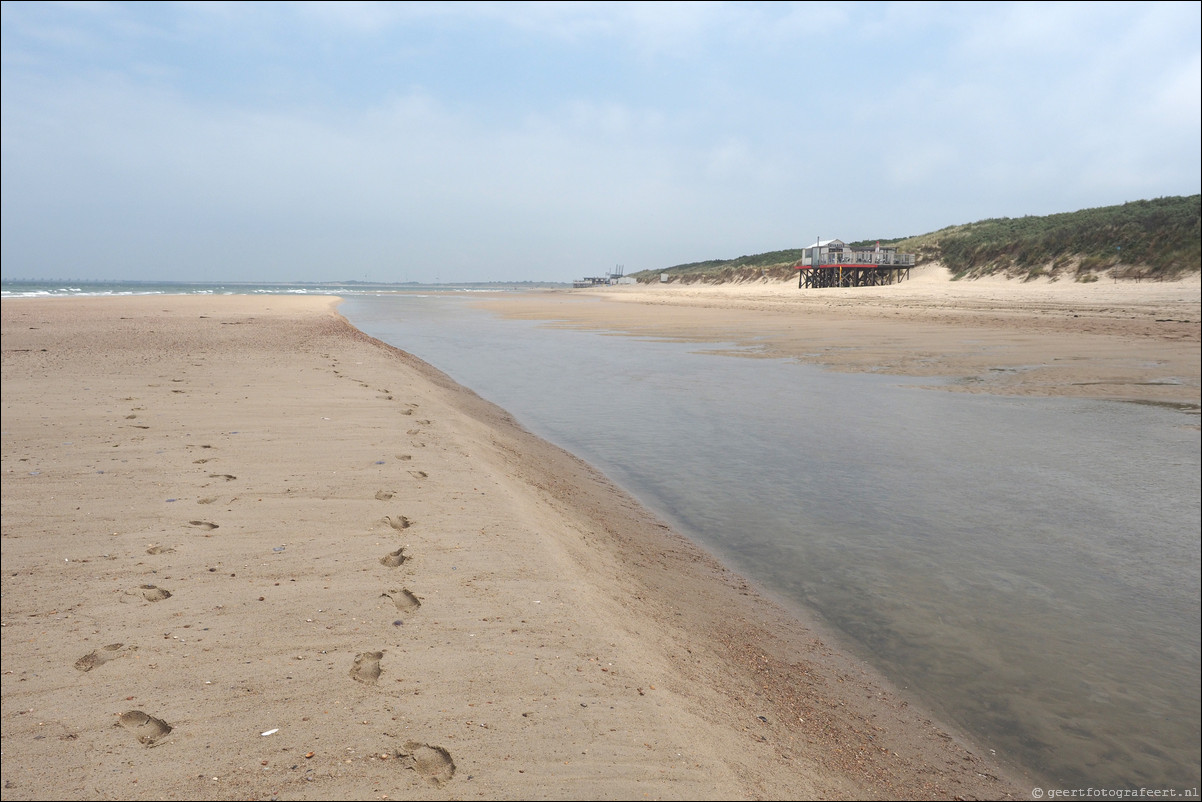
(250,552)
(1118,340)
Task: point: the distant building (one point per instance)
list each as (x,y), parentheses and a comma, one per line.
(832,263)
(604,281)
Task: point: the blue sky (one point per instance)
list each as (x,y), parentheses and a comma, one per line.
(547,141)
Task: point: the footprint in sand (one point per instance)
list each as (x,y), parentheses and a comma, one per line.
(147,729)
(403,599)
(367,667)
(394,558)
(150,593)
(398,523)
(99,657)
(404,456)
(205,525)
(418,474)
(157,549)
(384,495)
(432,763)
(226,476)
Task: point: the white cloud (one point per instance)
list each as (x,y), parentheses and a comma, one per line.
(679,131)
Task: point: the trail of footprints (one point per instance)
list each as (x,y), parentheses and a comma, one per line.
(431,763)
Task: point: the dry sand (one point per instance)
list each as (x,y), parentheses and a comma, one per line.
(249,552)
(1115,340)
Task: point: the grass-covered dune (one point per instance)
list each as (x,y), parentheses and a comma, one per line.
(1154,239)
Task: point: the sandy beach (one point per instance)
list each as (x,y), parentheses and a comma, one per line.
(249,552)
(1130,341)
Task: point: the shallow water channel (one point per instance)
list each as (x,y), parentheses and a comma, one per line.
(1029,567)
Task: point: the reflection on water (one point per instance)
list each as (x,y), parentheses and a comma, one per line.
(1029,566)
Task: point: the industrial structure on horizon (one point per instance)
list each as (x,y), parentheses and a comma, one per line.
(617,277)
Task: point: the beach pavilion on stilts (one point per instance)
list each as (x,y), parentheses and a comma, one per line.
(833,263)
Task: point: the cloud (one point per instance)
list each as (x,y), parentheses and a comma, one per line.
(547,140)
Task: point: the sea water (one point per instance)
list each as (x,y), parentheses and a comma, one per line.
(1028,567)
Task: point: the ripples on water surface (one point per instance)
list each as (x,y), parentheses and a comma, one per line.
(1029,566)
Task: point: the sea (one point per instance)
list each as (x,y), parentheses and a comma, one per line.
(1028,567)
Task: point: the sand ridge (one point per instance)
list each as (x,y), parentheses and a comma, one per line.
(250,552)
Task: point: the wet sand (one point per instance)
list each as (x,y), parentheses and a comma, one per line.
(1115,340)
(249,552)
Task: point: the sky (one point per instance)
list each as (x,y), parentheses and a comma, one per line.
(547,141)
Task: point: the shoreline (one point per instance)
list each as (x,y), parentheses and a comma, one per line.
(567,644)
(1136,342)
